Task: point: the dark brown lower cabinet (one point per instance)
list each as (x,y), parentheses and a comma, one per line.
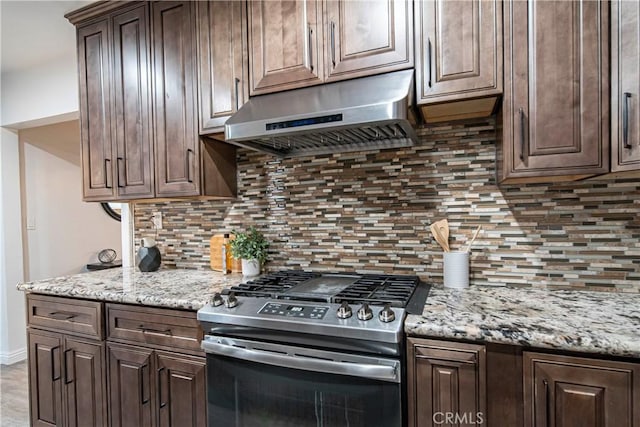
(155,388)
(565,391)
(84,383)
(66,378)
(446,383)
(181,395)
(130,386)
(45,383)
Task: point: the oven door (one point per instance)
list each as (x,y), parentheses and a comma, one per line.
(259,384)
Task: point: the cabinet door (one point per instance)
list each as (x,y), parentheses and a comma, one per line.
(445,378)
(177,159)
(458,49)
(625,85)
(132,112)
(572,391)
(45,374)
(84,383)
(181,395)
(94,65)
(130,386)
(222,49)
(556,103)
(367,37)
(285,42)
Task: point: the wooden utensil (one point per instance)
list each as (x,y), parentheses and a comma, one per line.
(440,231)
(473,238)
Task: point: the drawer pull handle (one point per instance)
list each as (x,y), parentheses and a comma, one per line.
(144,329)
(119,160)
(333,44)
(55,377)
(162,402)
(106,172)
(69,367)
(143,400)
(429,60)
(237,83)
(522,132)
(62,315)
(547,409)
(310,41)
(190,153)
(625,121)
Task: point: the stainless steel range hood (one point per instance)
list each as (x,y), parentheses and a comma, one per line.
(363,114)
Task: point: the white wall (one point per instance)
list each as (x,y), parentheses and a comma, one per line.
(38,61)
(12,305)
(45,91)
(63,232)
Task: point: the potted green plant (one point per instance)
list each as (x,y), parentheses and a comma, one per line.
(251,248)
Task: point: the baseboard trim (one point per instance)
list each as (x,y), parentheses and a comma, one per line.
(9,358)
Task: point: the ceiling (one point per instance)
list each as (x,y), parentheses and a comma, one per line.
(35,32)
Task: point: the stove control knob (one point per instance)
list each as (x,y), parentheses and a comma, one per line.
(232,301)
(386,314)
(344,311)
(364,312)
(216,299)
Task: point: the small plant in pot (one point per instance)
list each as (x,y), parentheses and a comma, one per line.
(251,248)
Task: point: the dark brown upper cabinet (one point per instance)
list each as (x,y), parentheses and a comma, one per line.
(555,111)
(625,86)
(139,105)
(176,127)
(223,62)
(285,43)
(458,58)
(367,37)
(115,111)
(94,69)
(575,391)
(303,43)
(131,120)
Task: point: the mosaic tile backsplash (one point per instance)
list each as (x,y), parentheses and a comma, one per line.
(370,212)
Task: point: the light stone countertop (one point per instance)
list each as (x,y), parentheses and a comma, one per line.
(184,289)
(582,321)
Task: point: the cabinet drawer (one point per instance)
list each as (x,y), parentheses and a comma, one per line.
(66,314)
(158,326)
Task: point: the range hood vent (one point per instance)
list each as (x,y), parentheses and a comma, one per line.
(370,113)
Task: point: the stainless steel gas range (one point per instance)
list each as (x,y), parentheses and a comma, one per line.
(298,348)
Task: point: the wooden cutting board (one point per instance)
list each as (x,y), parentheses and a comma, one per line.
(215,251)
(215,254)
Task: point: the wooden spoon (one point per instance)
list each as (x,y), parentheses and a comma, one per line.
(440,231)
(473,239)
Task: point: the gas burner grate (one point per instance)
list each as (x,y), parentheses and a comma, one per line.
(380,290)
(369,288)
(271,284)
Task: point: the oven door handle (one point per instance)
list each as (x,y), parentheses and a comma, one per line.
(388,373)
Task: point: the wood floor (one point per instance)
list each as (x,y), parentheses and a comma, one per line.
(14,392)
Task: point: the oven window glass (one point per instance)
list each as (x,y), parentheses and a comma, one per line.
(247,394)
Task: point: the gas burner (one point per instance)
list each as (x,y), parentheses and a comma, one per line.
(331,287)
(271,284)
(379,290)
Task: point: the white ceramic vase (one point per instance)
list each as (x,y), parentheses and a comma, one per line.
(250,267)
